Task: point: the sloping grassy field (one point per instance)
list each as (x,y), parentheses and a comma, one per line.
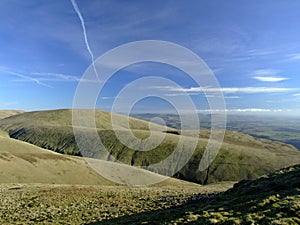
(73,204)
(241,156)
(21,162)
(271,199)
(8,113)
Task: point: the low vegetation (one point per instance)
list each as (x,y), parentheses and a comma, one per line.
(21,162)
(8,113)
(78,195)
(284,129)
(271,199)
(241,156)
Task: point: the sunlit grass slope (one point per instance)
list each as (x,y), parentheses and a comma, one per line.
(271,199)
(240,157)
(21,162)
(8,113)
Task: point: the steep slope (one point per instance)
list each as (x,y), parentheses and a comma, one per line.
(21,162)
(241,156)
(8,113)
(63,118)
(272,199)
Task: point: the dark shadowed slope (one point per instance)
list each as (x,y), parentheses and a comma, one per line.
(272,199)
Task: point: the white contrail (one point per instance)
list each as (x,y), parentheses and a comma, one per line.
(29,78)
(77,10)
(21,75)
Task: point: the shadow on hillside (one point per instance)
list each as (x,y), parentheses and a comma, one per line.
(149,217)
(269,196)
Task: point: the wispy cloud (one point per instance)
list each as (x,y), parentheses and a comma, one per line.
(56,77)
(23,76)
(267,75)
(243,110)
(260,52)
(232,97)
(41,77)
(250,110)
(246,90)
(296,95)
(265,72)
(252,54)
(60,77)
(37,81)
(179,94)
(255,110)
(294,57)
(270,79)
(107,98)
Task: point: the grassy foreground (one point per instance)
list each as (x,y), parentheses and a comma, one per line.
(66,204)
(272,199)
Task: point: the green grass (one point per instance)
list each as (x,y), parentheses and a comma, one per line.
(277,128)
(66,204)
(21,162)
(272,199)
(241,156)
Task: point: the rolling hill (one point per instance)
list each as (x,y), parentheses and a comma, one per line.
(8,113)
(21,162)
(271,199)
(276,128)
(241,156)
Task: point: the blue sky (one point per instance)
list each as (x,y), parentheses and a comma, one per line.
(253,48)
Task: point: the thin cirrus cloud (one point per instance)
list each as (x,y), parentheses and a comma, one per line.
(25,77)
(255,110)
(267,75)
(294,57)
(242,110)
(245,90)
(41,78)
(251,54)
(265,72)
(260,52)
(232,97)
(56,77)
(270,79)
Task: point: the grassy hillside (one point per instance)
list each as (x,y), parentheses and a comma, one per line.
(8,113)
(77,204)
(21,162)
(241,156)
(64,118)
(277,128)
(272,199)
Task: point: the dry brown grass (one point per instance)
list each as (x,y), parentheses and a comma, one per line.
(65,204)
(8,113)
